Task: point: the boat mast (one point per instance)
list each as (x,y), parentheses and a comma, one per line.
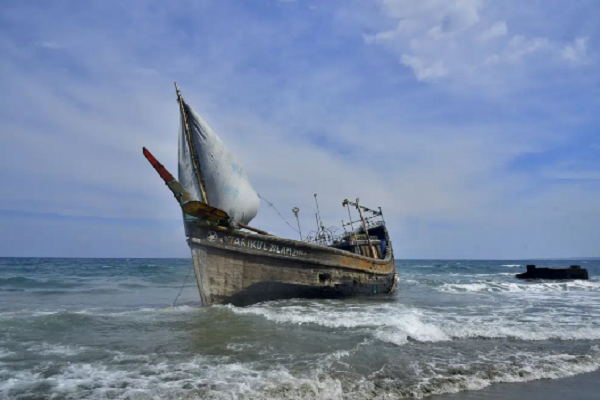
(366,230)
(193,153)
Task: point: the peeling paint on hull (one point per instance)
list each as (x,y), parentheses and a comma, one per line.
(234,267)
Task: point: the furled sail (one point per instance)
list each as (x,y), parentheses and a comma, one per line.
(222,178)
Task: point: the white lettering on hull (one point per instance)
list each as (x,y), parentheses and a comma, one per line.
(254,244)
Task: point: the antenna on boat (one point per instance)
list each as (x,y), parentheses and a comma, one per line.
(345,203)
(319,220)
(318,229)
(295,210)
(381,213)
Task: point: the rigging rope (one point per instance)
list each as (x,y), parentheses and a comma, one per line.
(284,220)
(182,286)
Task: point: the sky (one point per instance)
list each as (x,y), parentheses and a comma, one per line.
(474,124)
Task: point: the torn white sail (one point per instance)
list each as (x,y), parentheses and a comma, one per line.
(225,181)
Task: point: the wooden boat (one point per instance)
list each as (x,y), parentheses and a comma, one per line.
(242,268)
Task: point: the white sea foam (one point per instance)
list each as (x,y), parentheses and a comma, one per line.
(196,378)
(512,265)
(403,322)
(391,336)
(532,331)
(500,286)
(509,274)
(9,315)
(211,378)
(238,347)
(528,319)
(398,324)
(57,349)
(5,353)
(436,379)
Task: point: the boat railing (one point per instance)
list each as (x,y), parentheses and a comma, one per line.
(332,236)
(360,230)
(325,236)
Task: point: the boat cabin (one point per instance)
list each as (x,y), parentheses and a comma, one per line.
(357,243)
(356,240)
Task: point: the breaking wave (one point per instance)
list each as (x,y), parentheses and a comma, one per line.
(451,326)
(398,325)
(216,378)
(407,322)
(532,287)
(21,282)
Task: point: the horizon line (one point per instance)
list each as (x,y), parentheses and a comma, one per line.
(397,259)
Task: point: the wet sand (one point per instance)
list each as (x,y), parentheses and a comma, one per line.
(580,387)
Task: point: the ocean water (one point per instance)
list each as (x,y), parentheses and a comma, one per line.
(98,329)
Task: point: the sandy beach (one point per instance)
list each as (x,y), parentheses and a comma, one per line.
(581,387)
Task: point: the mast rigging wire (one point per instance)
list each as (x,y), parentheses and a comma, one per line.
(284,220)
(182,286)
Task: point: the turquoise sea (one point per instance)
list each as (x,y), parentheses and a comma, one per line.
(100,329)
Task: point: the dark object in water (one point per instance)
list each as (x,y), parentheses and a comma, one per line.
(573,272)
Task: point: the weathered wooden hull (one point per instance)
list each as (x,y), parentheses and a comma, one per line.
(235,267)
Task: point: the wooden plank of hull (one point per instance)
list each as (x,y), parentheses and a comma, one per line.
(240,268)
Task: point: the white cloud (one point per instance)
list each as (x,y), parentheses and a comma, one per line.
(576,52)
(380,37)
(300,120)
(449,15)
(423,72)
(493,59)
(463,42)
(519,46)
(52,45)
(497,30)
